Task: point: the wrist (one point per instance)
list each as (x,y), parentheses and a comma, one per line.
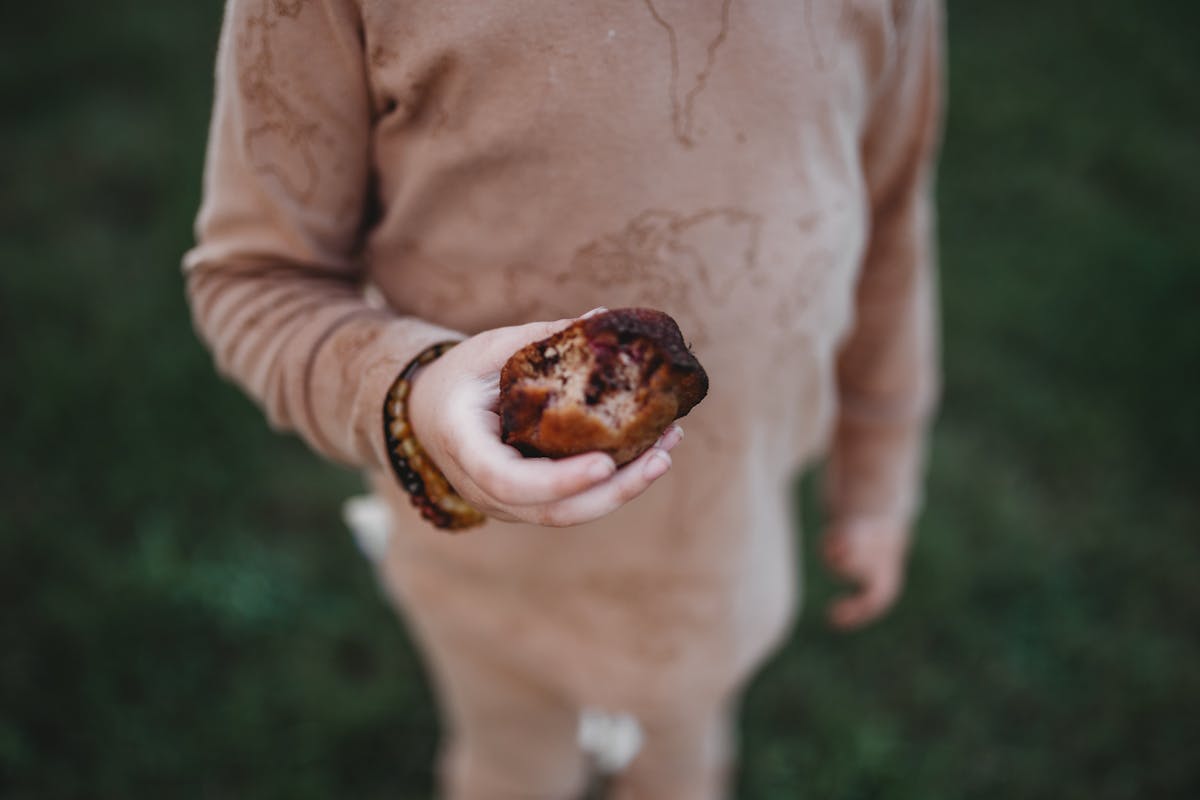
(425,483)
(418,401)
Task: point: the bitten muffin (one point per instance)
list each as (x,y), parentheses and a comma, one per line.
(612,382)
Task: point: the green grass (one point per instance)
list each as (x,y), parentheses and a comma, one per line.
(185,617)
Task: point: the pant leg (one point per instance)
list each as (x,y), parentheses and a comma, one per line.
(507,736)
(687,754)
(507,733)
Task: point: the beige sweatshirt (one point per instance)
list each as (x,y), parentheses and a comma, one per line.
(759,169)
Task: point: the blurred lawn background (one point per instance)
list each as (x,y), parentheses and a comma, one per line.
(183,614)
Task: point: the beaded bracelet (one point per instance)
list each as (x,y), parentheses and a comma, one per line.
(428,488)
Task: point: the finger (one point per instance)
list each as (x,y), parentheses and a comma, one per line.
(845,561)
(851,611)
(629,482)
(507,478)
(513,480)
(836,551)
(858,609)
(499,344)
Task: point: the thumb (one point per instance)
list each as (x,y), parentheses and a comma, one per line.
(501,343)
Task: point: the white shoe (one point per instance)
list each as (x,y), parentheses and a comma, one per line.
(369,520)
(612,740)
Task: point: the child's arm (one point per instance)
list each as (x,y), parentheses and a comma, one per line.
(275,283)
(888,375)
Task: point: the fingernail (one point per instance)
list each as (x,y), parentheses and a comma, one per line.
(602,469)
(657,466)
(594,312)
(672,437)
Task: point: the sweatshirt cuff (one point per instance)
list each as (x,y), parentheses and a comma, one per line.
(352,375)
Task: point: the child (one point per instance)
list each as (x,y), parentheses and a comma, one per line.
(759,169)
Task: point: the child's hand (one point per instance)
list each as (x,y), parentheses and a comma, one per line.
(452,411)
(870,552)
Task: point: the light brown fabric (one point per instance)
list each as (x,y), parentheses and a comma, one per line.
(759,169)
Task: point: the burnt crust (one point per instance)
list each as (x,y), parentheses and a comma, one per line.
(612,382)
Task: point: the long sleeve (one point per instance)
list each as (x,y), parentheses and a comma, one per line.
(888,370)
(274,280)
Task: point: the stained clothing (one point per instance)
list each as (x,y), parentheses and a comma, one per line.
(384,175)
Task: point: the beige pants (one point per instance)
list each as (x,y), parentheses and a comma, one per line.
(512,733)
(509,735)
